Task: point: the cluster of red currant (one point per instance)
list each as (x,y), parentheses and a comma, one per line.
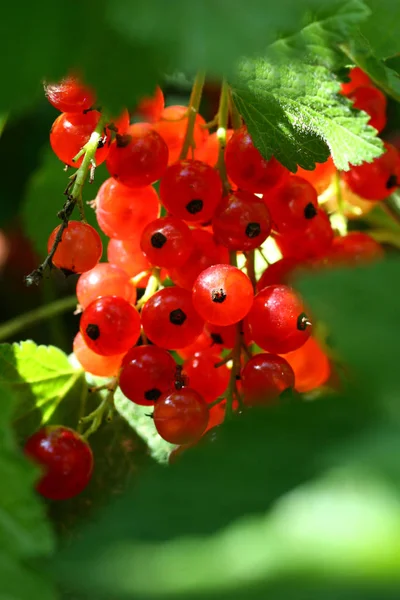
(243,339)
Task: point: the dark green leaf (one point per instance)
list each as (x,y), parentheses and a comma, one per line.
(381,30)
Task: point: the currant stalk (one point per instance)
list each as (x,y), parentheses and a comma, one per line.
(231,391)
(223,113)
(193,109)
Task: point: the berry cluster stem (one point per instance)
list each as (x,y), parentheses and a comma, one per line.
(104,410)
(250,267)
(223,114)
(194,104)
(151,288)
(235,114)
(231,391)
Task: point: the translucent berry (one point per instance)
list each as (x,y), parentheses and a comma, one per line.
(80,248)
(222,295)
(310,365)
(241,221)
(181,417)
(279,272)
(147,373)
(101,366)
(373,102)
(357,78)
(170,320)
(202,342)
(354,248)
(320,177)
(204,377)
(127,255)
(110,325)
(167,242)
(139,157)
(71,131)
(277,320)
(208,152)
(312,242)
(121,123)
(376,180)
(66,460)
(123,212)
(248,169)
(222,336)
(292,205)
(172,127)
(265,377)
(150,108)
(191,190)
(104,279)
(70,95)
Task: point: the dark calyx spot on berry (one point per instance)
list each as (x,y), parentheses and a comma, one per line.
(392,182)
(238,377)
(123,140)
(158,239)
(303,322)
(177,316)
(93,331)
(217,339)
(152,395)
(253,230)
(310,211)
(195,206)
(218,296)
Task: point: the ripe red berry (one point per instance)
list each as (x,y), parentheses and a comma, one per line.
(241,221)
(80,248)
(70,95)
(66,459)
(121,123)
(373,102)
(170,320)
(150,108)
(139,157)
(147,373)
(127,255)
(104,280)
(101,366)
(310,365)
(172,127)
(248,169)
(191,190)
(357,78)
(265,377)
(221,336)
(278,272)
(376,180)
(123,212)
(292,205)
(208,151)
(204,377)
(222,295)
(320,177)
(181,417)
(110,325)
(312,242)
(277,320)
(202,342)
(354,248)
(167,242)
(71,131)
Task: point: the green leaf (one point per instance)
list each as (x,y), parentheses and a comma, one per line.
(40,377)
(294,112)
(381,30)
(24,531)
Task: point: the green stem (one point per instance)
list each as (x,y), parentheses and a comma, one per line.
(151,288)
(250,267)
(193,110)
(392,207)
(223,113)
(235,114)
(230,392)
(10,328)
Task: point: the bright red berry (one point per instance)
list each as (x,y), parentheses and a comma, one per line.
(150,108)
(277,320)
(278,272)
(66,459)
(167,242)
(292,205)
(127,255)
(123,212)
(373,102)
(71,131)
(265,377)
(222,336)
(181,417)
(312,242)
(104,280)
(310,365)
(357,78)
(354,248)
(110,325)
(320,177)
(204,377)
(209,150)
(101,366)
(172,127)
(222,295)
(121,123)
(248,169)
(139,157)
(170,320)
(70,95)
(147,373)
(80,248)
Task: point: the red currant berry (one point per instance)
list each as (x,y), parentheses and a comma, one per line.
(70,95)
(310,365)
(104,280)
(208,152)
(277,320)
(170,320)
(150,108)
(376,180)
(241,221)
(167,242)
(313,242)
(147,373)
(139,157)
(66,459)
(101,366)
(355,248)
(221,336)
(222,295)
(248,169)
(110,325)
(203,342)
(123,212)
(373,102)
(265,377)
(80,248)
(120,124)
(191,190)
(127,255)
(278,272)
(71,131)
(320,177)
(357,78)
(292,205)
(172,128)
(181,417)
(204,377)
